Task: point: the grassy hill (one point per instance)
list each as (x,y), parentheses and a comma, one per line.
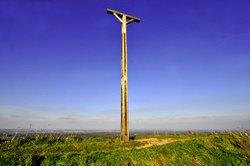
(226,148)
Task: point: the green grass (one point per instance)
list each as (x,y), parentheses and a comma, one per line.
(198,149)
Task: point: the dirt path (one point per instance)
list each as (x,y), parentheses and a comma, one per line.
(155,141)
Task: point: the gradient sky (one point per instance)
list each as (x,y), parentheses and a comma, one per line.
(188,64)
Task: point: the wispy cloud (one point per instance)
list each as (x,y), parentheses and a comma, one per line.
(193,123)
(147,118)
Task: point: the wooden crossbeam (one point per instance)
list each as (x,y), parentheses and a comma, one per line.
(111,11)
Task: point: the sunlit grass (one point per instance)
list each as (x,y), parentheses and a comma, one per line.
(226,148)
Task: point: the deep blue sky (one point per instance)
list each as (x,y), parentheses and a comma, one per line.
(188,63)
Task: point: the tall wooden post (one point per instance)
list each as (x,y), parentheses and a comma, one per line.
(125,20)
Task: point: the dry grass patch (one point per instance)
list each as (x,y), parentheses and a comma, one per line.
(155,141)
